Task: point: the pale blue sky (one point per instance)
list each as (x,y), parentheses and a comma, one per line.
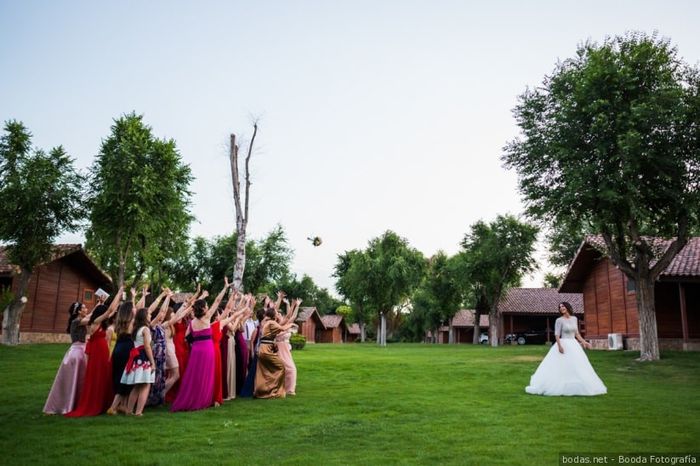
(374,115)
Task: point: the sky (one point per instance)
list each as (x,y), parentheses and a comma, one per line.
(373,115)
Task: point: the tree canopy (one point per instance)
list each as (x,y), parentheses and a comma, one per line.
(40,197)
(139,199)
(496,256)
(611,144)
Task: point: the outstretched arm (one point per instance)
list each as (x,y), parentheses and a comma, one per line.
(112,308)
(221,294)
(163,308)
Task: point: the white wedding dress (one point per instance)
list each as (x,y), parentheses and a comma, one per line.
(569,373)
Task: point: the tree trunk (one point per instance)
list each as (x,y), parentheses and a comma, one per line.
(239,267)
(120,276)
(648,333)
(13,313)
(450,336)
(477,329)
(494,327)
(362,332)
(383,330)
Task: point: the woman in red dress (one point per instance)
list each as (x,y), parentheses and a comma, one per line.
(96,394)
(216,335)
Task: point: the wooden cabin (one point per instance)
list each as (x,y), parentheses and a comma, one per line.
(532,311)
(70,276)
(310,324)
(335,330)
(462,326)
(609,297)
(354,333)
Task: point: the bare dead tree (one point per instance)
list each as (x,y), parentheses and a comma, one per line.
(241,210)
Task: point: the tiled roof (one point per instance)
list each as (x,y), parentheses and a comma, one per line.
(180,297)
(538,301)
(305,313)
(332,320)
(685,264)
(465,318)
(354,329)
(59,251)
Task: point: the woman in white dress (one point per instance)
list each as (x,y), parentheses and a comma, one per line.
(565,370)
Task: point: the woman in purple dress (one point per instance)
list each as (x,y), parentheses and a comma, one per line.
(197,387)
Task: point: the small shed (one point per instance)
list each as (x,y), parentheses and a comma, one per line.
(69,276)
(310,324)
(533,311)
(610,299)
(354,332)
(335,330)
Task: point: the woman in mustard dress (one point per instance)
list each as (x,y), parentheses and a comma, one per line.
(269,375)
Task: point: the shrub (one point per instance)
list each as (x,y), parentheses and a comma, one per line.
(297,341)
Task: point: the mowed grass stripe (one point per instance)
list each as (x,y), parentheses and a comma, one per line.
(360,404)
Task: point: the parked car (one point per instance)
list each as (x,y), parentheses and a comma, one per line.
(484,338)
(530,336)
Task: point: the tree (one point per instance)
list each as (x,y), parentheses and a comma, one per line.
(242,212)
(497,255)
(350,273)
(382,277)
(40,198)
(207,262)
(611,140)
(441,290)
(138,201)
(552,280)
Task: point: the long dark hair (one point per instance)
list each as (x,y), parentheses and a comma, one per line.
(200,308)
(568,307)
(125,315)
(140,320)
(99,310)
(73,310)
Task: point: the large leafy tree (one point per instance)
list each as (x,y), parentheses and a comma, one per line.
(350,282)
(207,262)
(138,201)
(611,139)
(40,197)
(380,278)
(496,256)
(441,291)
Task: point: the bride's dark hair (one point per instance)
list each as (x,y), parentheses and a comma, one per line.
(568,307)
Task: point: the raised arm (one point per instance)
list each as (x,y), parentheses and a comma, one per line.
(142,301)
(280,296)
(220,296)
(112,307)
(163,308)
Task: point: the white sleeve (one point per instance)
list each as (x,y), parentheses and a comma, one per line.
(557,328)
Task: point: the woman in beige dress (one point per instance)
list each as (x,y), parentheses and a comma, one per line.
(269,376)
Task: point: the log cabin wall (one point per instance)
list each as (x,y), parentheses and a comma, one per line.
(308,329)
(611,306)
(52,289)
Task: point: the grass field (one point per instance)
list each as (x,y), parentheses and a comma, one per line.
(359,404)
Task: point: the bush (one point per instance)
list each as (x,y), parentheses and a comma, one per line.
(297,341)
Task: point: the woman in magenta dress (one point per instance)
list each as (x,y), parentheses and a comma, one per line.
(197,386)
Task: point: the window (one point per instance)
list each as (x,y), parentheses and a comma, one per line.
(88,296)
(631,286)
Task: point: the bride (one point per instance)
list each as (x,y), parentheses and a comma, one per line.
(566,370)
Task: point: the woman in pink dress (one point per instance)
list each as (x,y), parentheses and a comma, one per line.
(284,348)
(66,387)
(197,386)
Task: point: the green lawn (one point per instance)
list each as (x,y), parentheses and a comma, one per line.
(408,404)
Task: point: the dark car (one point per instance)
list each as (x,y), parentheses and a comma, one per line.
(530,336)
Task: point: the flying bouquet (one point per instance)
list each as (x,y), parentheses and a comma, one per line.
(316,241)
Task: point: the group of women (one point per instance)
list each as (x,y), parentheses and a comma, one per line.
(126,356)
